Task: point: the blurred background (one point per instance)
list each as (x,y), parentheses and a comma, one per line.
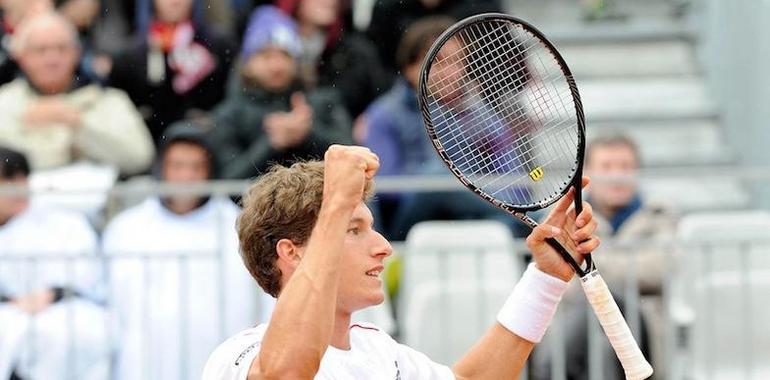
(129,130)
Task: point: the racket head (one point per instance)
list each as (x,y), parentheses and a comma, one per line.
(502,110)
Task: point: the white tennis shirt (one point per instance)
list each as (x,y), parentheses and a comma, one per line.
(373,355)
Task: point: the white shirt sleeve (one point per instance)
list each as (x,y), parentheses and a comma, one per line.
(415,365)
(233,358)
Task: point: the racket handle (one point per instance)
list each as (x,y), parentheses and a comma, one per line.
(634,364)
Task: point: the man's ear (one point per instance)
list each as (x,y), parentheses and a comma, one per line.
(288,252)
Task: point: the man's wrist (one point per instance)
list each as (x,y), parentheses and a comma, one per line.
(532,304)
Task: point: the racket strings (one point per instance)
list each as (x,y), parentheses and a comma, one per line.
(522,114)
(521,118)
(497,104)
(471,73)
(529,149)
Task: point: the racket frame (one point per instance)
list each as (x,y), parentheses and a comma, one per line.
(517,211)
(597,292)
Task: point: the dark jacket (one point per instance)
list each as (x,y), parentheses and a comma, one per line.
(158,103)
(353,67)
(242,144)
(391,18)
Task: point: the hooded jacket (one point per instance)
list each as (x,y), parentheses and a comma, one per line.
(242,145)
(349,62)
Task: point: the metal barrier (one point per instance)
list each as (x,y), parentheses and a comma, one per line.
(678,355)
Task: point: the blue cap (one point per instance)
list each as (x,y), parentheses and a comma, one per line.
(269,26)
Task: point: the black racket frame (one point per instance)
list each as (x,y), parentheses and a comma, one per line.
(518,212)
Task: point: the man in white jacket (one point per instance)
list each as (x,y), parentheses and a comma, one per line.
(178,284)
(50,325)
(55,117)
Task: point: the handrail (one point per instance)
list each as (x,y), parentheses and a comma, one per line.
(394,183)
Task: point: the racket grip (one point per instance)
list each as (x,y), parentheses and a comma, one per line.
(634,364)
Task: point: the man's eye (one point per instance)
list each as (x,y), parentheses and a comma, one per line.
(353,231)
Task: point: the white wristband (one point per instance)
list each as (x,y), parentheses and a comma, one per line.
(532,304)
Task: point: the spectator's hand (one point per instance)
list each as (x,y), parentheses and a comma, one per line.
(102,65)
(276,127)
(576,235)
(35,302)
(47,111)
(360,129)
(289,129)
(300,119)
(346,169)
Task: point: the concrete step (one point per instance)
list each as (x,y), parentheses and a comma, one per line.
(672,142)
(690,194)
(629,60)
(645,99)
(566,18)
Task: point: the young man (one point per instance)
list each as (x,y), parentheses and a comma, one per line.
(175,264)
(271,118)
(306,236)
(50,326)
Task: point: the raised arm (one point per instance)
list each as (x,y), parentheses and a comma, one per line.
(300,329)
(502,351)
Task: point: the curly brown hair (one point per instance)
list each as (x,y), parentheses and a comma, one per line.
(281,204)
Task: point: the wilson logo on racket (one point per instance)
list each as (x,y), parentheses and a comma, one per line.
(536,174)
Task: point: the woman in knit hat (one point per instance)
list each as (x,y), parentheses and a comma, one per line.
(272,118)
(336,56)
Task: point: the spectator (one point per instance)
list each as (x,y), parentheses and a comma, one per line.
(49,328)
(84,14)
(172,302)
(395,132)
(335,56)
(57,117)
(242,10)
(624,220)
(392,18)
(273,119)
(177,67)
(14,11)
(625,217)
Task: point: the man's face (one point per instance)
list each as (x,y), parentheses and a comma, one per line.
(271,68)
(173,11)
(361,268)
(185,163)
(12,205)
(320,13)
(449,67)
(49,57)
(616,161)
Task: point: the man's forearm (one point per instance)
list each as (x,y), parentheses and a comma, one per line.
(500,354)
(522,321)
(301,326)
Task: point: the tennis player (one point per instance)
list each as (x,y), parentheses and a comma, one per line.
(306,236)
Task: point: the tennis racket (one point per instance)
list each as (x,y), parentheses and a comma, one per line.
(502,110)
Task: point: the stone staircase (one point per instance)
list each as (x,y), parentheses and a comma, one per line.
(640,75)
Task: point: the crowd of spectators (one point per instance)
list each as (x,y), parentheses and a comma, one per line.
(268,82)
(183,91)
